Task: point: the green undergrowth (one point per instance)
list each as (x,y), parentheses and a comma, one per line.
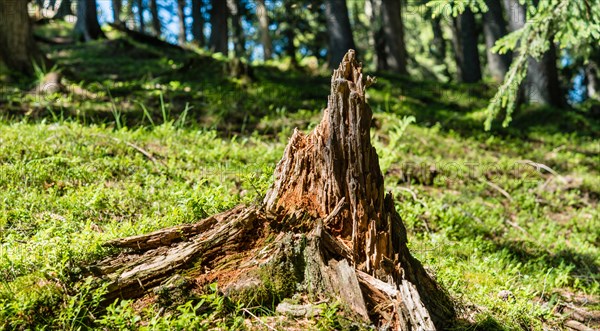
(144,139)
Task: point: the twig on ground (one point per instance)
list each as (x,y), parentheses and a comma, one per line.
(498,188)
(414,196)
(137,148)
(259,320)
(539,166)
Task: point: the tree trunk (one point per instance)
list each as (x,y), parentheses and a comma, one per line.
(592,72)
(238,32)
(494,28)
(87,27)
(156,26)
(129,17)
(182,37)
(369,11)
(117,5)
(372,8)
(290,34)
(263,23)
(198,23)
(18,50)
(465,46)
(541,85)
(515,14)
(340,33)
(393,31)
(140,8)
(218,41)
(334,232)
(439,45)
(64,9)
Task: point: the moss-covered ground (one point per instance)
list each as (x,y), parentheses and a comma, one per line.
(144,138)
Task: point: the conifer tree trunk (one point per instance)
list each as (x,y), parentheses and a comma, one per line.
(156,26)
(290,34)
(340,32)
(439,43)
(18,50)
(393,31)
(541,85)
(334,231)
(182,37)
(592,78)
(465,46)
(129,17)
(117,5)
(238,32)
(64,9)
(198,23)
(140,14)
(494,28)
(87,27)
(219,35)
(263,23)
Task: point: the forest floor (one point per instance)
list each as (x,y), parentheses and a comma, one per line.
(141,138)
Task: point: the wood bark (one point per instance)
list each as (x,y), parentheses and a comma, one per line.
(238,39)
(376,40)
(439,43)
(129,17)
(198,23)
(290,34)
(494,28)
(18,50)
(87,27)
(140,14)
(156,26)
(64,9)
(182,36)
(117,5)
(393,32)
(263,23)
(541,84)
(340,32)
(592,74)
(219,30)
(465,47)
(336,232)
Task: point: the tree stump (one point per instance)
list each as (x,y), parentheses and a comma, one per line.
(325,227)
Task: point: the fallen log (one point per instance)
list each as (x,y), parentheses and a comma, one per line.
(325,228)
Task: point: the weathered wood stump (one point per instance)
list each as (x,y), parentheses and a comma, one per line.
(326,228)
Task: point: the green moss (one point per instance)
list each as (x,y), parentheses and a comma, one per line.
(276,280)
(28,301)
(69,181)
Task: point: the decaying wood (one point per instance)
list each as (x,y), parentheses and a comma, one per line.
(132,275)
(337,233)
(306,310)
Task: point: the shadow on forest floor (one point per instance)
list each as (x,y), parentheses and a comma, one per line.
(137,82)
